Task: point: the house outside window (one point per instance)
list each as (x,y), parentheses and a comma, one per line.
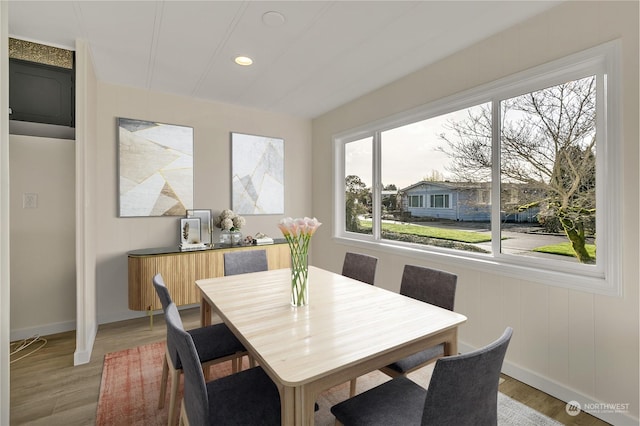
(439,201)
(500,166)
(416,201)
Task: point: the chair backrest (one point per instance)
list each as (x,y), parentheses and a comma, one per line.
(165,298)
(195,390)
(361,267)
(429,285)
(162,291)
(244,261)
(464,388)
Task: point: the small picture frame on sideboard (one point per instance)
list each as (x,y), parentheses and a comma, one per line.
(190,230)
(205,223)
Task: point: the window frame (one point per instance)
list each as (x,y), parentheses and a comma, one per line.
(602,278)
(420,197)
(446,196)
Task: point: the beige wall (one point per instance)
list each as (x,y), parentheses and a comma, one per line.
(47,166)
(43,281)
(572,344)
(212,123)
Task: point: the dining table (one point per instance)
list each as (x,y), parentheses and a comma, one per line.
(348,329)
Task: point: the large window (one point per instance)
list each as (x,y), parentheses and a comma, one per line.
(512,172)
(416,200)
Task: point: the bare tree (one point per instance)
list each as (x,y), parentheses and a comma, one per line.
(548,140)
(435,176)
(357,198)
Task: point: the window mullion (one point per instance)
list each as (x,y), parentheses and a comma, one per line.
(495,176)
(376,188)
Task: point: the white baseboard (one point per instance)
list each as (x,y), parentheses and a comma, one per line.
(42,330)
(558,390)
(61,327)
(121,316)
(84,357)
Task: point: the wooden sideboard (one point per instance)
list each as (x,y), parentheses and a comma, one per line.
(180,270)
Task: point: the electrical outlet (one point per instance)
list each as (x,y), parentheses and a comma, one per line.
(30,200)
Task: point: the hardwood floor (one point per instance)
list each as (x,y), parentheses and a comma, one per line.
(46,389)
(545,403)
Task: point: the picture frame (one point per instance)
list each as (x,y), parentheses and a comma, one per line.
(190,230)
(257,174)
(206,225)
(155,168)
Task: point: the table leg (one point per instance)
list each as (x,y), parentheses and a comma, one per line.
(308,406)
(205,313)
(288,404)
(451,344)
(304,406)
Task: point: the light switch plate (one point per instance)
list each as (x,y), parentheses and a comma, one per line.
(30,200)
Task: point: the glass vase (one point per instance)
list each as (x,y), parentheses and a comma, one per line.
(236,238)
(299,278)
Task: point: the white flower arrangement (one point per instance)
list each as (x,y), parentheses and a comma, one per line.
(229,221)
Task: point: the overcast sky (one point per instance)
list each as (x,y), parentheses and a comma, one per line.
(409,153)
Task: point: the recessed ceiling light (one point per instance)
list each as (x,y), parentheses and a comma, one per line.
(243,60)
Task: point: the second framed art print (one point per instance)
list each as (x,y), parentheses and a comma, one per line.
(257,174)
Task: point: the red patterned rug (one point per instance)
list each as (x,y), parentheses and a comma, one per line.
(130,387)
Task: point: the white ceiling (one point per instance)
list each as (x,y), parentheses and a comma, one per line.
(326,53)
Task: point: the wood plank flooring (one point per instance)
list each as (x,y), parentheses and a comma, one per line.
(46,389)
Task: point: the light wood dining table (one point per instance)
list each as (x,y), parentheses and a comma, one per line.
(348,329)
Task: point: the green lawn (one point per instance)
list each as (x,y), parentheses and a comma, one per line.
(431,232)
(562,249)
(565,249)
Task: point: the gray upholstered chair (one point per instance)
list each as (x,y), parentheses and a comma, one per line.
(431,286)
(427,285)
(214,344)
(361,267)
(246,398)
(463,391)
(244,261)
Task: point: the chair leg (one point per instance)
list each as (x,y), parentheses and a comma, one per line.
(163,381)
(184,421)
(352,388)
(252,361)
(175,382)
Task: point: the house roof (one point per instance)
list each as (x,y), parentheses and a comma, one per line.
(447,185)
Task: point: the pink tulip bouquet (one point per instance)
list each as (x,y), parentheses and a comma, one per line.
(298,233)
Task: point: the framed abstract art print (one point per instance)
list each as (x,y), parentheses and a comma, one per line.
(155,168)
(257,174)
